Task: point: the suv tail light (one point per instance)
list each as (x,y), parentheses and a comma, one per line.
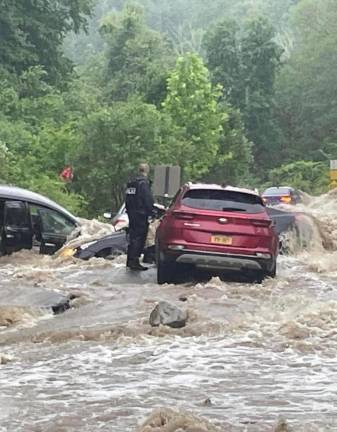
(262,223)
(183,215)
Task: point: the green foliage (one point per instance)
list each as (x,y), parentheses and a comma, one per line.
(308,176)
(245,64)
(137,57)
(307,85)
(128,102)
(183,21)
(114,140)
(31,33)
(192,104)
(236,168)
(36,135)
(222,46)
(4,158)
(59,192)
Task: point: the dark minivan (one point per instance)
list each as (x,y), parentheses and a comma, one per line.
(29,219)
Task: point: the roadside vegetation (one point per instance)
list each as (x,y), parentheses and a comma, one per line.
(236,92)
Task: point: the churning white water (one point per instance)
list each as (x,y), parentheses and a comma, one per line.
(249,356)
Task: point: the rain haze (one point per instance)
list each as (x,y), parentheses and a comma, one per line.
(240,98)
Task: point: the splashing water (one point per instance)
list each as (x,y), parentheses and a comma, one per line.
(249,355)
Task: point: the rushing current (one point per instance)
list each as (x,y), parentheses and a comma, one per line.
(252,357)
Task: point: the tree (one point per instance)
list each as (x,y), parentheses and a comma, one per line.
(261,58)
(192,104)
(114,140)
(4,159)
(311,177)
(37,132)
(222,46)
(137,57)
(245,64)
(32,32)
(236,168)
(307,85)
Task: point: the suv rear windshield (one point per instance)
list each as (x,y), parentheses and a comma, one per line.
(223,200)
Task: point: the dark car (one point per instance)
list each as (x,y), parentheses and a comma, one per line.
(281,195)
(219,229)
(28,219)
(117,243)
(107,246)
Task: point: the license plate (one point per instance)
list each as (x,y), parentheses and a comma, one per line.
(223,240)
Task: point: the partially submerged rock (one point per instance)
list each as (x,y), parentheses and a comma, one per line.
(167,420)
(168,314)
(4,359)
(281,426)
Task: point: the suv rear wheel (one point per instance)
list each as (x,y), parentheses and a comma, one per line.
(259,275)
(272,272)
(165,270)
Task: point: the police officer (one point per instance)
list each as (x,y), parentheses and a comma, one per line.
(139,206)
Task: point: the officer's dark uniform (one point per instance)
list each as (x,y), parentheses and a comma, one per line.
(139,206)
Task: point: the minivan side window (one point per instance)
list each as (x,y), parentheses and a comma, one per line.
(16,214)
(51,221)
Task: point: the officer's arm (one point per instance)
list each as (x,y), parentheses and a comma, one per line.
(147,197)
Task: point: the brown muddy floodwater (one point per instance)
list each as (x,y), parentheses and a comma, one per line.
(249,354)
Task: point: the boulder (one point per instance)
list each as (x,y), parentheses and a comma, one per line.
(168,314)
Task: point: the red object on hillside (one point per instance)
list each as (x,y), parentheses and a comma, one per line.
(67,174)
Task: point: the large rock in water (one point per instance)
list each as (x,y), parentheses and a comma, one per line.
(168,314)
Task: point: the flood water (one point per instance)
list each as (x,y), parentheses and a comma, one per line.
(249,355)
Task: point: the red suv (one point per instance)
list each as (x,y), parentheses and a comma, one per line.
(217,229)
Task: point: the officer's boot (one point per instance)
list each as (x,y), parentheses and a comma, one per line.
(134,264)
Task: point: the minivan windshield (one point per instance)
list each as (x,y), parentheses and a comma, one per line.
(223,200)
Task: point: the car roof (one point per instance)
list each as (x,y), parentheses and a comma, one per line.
(192,186)
(276,188)
(16,193)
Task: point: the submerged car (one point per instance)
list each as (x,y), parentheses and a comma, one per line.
(217,229)
(121,219)
(28,220)
(281,195)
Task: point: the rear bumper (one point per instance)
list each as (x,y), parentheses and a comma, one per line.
(222,262)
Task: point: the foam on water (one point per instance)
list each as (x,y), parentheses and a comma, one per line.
(248,354)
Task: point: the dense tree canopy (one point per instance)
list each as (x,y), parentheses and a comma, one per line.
(238,92)
(245,62)
(32,32)
(137,57)
(307,85)
(192,104)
